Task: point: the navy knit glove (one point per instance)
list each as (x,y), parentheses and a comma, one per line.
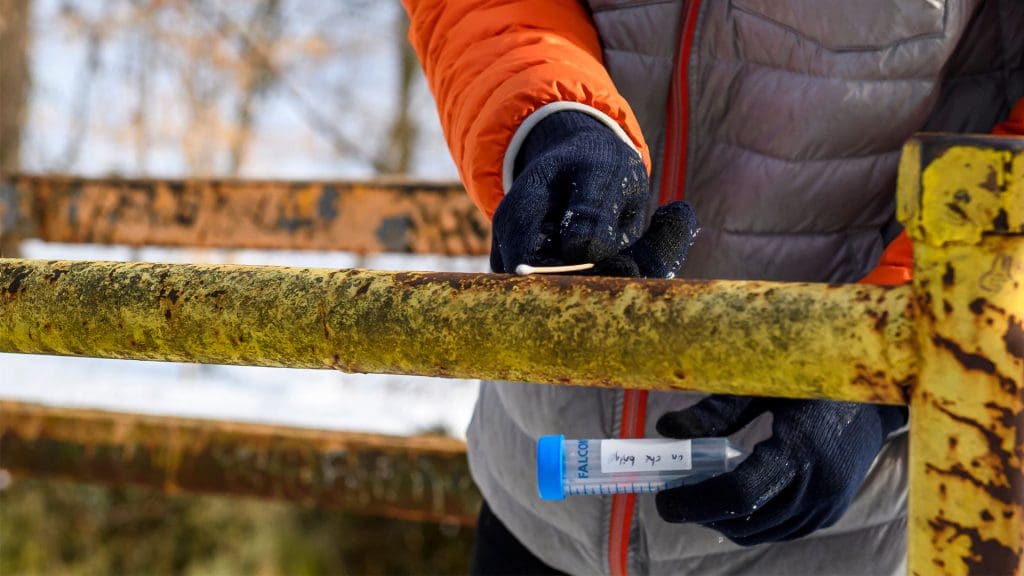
(580,195)
(801,479)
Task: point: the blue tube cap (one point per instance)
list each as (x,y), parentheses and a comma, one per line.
(551,467)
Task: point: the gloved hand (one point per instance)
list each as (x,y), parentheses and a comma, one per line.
(580,195)
(801,479)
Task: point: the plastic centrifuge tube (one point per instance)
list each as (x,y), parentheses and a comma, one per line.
(614,466)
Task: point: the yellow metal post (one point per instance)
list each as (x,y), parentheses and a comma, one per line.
(962,200)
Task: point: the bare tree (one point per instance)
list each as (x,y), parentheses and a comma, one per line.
(396,156)
(14,79)
(258,74)
(14,83)
(142,62)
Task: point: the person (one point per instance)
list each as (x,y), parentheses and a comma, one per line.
(780,122)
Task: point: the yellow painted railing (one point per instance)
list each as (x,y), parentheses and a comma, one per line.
(951,344)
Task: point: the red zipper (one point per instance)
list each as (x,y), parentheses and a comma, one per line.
(677,123)
(634,408)
(673,183)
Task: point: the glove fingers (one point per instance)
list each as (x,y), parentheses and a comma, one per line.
(524,232)
(597,223)
(736,494)
(757,529)
(619,265)
(718,415)
(774,521)
(661,251)
(497,265)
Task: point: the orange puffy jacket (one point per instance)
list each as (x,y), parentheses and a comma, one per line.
(491,64)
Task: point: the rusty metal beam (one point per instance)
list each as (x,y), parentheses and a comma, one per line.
(962,200)
(847,342)
(363,217)
(410,478)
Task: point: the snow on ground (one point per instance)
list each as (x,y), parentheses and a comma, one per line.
(308,398)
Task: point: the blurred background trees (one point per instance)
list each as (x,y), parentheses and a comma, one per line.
(285,89)
(260,88)
(14,79)
(14,84)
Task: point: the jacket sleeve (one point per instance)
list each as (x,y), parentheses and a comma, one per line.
(897,261)
(492,63)
(1014,125)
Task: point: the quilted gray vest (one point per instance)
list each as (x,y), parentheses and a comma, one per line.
(798,110)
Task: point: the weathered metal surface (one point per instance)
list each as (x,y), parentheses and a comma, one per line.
(962,200)
(415,478)
(799,340)
(364,217)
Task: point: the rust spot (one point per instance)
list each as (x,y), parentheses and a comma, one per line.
(1013,475)
(977,306)
(19,275)
(949,276)
(991,182)
(987,556)
(1001,221)
(327,206)
(1006,416)
(968,360)
(679,375)
(882,320)
(1014,337)
(393,233)
(953,442)
(976,362)
(947,307)
(955,208)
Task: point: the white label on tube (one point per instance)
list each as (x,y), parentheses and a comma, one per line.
(653,455)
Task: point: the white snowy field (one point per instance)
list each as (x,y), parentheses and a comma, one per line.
(309,398)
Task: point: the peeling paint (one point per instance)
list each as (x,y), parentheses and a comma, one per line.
(243,214)
(1014,337)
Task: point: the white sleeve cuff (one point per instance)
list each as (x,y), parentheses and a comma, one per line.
(508,165)
(901,430)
